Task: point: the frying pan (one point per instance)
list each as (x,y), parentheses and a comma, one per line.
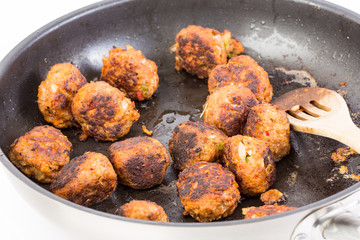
(313,36)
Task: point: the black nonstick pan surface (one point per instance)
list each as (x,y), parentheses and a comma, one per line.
(293,35)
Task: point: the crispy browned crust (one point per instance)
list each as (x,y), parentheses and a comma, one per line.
(41,153)
(86,180)
(103,111)
(146,131)
(199,50)
(268,123)
(251,161)
(227,108)
(208,191)
(266,210)
(55,94)
(272,196)
(193,142)
(242,71)
(342,154)
(140,162)
(144,210)
(131,72)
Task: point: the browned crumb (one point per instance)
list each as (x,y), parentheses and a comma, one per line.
(265,210)
(342,153)
(146,131)
(83,137)
(246,210)
(343,169)
(342,83)
(272,196)
(355,177)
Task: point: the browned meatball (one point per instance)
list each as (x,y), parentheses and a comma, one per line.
(131,72)
(193,142)
(270,124)
(228,107)
(86,180)
(103,111)
(140,162)
(199,50)
(266,210)
(251,161)
(55,94)
(242,71)
(144,210)
(208,191)
(41,153)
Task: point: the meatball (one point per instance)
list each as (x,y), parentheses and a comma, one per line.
(270,124)
(131,72)
(242,71)
(199,50)
(140,162)
(103,112)
(228,107)
(41,153)
(143,210)
(193,142)
(272,196)
(266,210)
(251,161)
(86,180)
(55,94)
(208,191)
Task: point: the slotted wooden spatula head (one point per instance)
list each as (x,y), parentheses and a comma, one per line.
(322,112)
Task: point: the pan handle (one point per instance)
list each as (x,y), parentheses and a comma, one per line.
(343,226)
(337,221)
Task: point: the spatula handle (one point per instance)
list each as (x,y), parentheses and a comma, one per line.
(348,134)
(339,127)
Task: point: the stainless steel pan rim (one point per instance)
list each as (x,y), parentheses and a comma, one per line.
(315,205)
(96,7)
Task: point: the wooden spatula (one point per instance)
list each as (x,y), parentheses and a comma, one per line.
(322,112)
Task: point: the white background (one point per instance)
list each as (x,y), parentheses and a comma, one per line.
(18,19)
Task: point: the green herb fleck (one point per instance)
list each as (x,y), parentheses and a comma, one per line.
(227,46)
(231,54)
(247,158)
(144,88)
(220,145)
